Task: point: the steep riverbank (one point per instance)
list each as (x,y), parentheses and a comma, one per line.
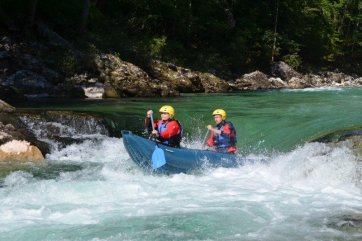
(50,68)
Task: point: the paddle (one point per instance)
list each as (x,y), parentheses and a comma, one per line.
(158,155)
(207,133)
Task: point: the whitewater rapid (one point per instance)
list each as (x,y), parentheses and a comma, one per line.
(93,191)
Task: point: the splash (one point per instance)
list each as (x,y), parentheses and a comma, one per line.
(291,193)
(316,89)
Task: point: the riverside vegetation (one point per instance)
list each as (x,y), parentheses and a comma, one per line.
(161,48)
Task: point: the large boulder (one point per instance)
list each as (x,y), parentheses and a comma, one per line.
(16,150)
(12,128)
(123,79)
(299,83)
(213,84)
(277,82)
(284,71)
(5,107)
(253,81)
(187,81)
(181,79)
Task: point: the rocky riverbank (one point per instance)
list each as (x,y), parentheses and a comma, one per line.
(28,70)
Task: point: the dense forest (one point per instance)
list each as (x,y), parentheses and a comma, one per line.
(225,37)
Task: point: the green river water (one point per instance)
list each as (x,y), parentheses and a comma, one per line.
(265,121)
(93,191)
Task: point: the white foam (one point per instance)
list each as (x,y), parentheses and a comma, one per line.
(17,178)
(315,89)
(311,182)
(317,163)
(101,149)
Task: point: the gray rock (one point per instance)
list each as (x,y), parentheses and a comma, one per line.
(27,80)
(357,81)
(278,82)
(213,84)
(253,81)
(176,78)
(5,107)
(123,79)
(299,83)
(284,71)
(333,78)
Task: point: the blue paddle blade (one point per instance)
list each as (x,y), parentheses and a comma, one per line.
(158,158)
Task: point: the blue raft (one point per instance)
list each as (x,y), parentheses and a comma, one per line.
(175,160)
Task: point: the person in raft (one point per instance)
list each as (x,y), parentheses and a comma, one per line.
(223,134)
(167,130)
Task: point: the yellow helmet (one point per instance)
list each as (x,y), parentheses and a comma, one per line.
(168,109)
(220,112)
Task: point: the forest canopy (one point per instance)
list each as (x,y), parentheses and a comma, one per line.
(221,36)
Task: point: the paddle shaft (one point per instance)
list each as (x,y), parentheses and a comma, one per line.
(151,116)
(207,133)
(153,127)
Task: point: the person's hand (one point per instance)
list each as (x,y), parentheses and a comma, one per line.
(155,133)
(149,113)
(209,127)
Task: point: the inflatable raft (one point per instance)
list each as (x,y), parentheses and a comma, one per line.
(155,157)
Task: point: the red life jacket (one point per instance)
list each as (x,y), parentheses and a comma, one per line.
(170,132)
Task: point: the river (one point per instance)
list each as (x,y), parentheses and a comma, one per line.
(93,191)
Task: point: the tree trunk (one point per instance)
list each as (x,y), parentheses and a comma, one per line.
(189,23)
(275,30)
